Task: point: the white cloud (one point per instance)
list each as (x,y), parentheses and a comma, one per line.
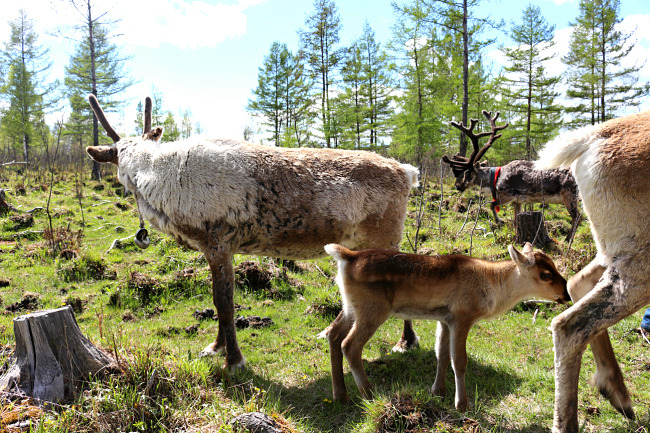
(183,24)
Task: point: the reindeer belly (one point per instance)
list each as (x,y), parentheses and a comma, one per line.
(419,312)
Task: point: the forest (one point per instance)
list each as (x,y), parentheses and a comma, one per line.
(396,96)
(67,229)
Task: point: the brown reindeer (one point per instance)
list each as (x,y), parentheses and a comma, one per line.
(224,197)
(455,290)
(611,163)
(517,182)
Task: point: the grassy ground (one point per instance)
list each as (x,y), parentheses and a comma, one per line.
(141,305)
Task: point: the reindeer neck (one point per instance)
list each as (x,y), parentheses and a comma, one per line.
(483,176)
(512,288)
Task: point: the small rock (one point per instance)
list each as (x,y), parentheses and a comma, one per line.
(255,422)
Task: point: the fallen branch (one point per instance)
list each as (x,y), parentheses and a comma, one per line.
(12,162)
(117,242)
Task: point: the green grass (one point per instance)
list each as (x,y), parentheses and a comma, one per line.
(166,387)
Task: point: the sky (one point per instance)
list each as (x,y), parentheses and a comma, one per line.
(204,55)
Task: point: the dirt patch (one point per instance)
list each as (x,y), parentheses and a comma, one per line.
(210,314)
(22,221)
(28,302)
(404,414)
(259,277)
(4,282)
(143,285)
(206,314)
(254,322)
(68,254)
(327,308)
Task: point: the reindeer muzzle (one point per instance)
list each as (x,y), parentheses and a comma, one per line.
(142,238)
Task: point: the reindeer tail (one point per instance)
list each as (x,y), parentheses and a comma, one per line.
(412,173)
(566,148)
(339,252)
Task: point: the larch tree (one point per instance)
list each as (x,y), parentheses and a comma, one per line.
(378,84)
(26,91)
(459,17)
(319,43)
(597,77)
(96,67)
(526,86)
(270,101)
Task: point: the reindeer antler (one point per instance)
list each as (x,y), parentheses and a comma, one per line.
(458,162)
(99,113)
(147,115)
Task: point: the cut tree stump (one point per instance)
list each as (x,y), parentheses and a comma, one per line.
(51,356)
(531,228)
(5,207)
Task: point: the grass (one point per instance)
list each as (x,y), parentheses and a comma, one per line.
(141,305)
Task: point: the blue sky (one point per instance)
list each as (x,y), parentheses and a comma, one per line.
(204,55)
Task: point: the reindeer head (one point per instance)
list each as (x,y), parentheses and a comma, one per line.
(111,153)
(540,273)
(465,168)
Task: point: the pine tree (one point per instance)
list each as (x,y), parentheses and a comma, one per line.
(526,86)
(318,41)
(96,67)
(597,79)
(25,89)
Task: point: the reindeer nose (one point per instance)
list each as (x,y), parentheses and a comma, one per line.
(565,297)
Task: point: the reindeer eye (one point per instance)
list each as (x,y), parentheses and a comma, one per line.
(546,276)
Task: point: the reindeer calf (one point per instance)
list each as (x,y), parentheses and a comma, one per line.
(455,290)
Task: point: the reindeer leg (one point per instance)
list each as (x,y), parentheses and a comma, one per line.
(409,339)
(223,281)
(459,331)
(337,331)
(443,357)
(362,330)
(608,378)
(617,295)
(493,207)
(570,200)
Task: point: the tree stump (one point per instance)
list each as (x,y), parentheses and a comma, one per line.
(531,228)
(5,207)
(51,355)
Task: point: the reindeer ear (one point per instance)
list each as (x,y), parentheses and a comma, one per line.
(528,248)
(155,134)
(522,260)
(103,153)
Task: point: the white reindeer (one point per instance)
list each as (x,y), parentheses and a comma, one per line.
(223,197)
(611,164)
(455,290)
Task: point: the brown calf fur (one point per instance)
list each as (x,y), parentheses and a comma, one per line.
(455,290)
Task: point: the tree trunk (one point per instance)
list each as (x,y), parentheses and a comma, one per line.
(531,228)
(51,356)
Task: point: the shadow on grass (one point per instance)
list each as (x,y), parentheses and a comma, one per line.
(392,375)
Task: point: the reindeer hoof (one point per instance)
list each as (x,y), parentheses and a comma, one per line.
(212,350)
(404,345)
(239,365)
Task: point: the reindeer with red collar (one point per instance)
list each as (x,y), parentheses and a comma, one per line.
(517,182)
